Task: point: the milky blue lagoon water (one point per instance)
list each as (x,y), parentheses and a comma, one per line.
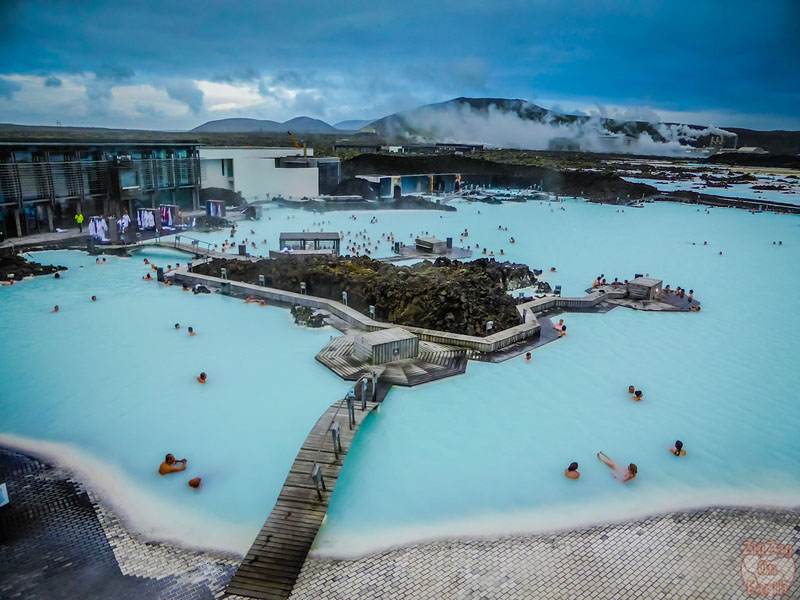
(791,195)
(112,385)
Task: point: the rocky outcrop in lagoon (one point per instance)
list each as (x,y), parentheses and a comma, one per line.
(448,295)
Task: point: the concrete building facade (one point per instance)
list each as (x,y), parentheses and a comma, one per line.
(257,173)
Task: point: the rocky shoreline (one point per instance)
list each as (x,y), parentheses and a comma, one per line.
(447,295)
(15,267)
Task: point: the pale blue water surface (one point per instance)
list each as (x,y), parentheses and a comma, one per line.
(481,453)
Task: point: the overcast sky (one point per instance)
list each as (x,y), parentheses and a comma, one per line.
(175,65)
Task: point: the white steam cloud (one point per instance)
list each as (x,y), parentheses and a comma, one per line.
(499,127)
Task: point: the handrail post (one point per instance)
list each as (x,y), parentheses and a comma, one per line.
(337,440)
(351,408)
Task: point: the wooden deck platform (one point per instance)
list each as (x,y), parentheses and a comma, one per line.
(270,568)
(435,361)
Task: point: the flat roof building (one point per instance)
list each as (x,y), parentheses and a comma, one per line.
(263,173)
(43,185)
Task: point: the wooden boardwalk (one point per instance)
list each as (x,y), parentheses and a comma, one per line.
(270,568)
(435,361)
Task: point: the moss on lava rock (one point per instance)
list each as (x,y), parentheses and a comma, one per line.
(454,296)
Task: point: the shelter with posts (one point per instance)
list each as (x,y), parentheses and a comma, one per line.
(644,288)
(309,243)
(386,345)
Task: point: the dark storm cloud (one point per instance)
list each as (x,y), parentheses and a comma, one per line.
(186,92)
(115,73)
(679,55)
(248,74)
(8,88)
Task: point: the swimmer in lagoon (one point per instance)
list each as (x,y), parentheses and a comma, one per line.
(563,331)
(177,325)
(527,356)
(202,378)
(147,277)
(195,483)
(571,472)
(678,449)
(94,298)
(170,465)
(637,395)
(552,269)
(617,470)
(631,390)
(57,276)
(191,332)
(55,309)
(559,325)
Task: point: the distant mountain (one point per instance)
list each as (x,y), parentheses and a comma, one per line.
(308,125)
(353,125)
(428,120)
(231,125)
(296,125)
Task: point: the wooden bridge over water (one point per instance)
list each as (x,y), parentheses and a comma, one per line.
(273,563)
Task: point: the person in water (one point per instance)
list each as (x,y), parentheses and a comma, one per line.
(55,309)
(57,276)
(170,465)
(195,483)
(177,325)
(571,472)
(527,356)
(191,332)
(147,277)
(678,449)
(559,325)
(202,378)
(94,298)
(563,331)
(637,395)
(618,472)
(631,390)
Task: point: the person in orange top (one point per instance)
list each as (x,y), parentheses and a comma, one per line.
(202,377)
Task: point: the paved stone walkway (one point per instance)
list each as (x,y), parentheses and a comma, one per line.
(693,555)
(58,541)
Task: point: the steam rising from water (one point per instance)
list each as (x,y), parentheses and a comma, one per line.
(499,127)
